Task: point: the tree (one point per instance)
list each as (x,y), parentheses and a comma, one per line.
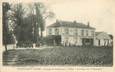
(17,17)
(41,15)
(28,27)
(24,26)
(6,33)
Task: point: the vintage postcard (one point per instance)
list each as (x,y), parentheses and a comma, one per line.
(57,35)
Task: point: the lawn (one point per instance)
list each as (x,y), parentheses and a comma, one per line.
(70,56)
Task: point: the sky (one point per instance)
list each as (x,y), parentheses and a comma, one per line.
(100,13)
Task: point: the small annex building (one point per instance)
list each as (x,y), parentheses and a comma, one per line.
(102,39)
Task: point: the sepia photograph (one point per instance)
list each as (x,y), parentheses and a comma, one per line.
(58,33)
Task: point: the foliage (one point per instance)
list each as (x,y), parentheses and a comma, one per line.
(42,14)
(7,34)
(5,7)
(26,25)
(18,12)
(52,40)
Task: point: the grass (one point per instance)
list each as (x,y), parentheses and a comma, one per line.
(82,56)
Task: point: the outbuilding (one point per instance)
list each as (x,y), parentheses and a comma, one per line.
(102,39)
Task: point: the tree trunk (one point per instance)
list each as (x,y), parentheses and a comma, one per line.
(41,34)
(15,41)
(34,45)
(6,48)
(37,34)
(41,37)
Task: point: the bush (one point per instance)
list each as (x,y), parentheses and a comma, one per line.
(52,40)
(25,44)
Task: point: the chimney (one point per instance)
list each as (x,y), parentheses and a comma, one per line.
(58,22)
(88,24)
(74,21)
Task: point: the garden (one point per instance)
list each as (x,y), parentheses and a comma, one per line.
(59,55)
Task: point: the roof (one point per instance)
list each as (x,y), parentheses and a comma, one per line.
(111,36)
(97,33)
(102,35)
(70,24)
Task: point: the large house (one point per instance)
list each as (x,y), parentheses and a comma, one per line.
(72,33)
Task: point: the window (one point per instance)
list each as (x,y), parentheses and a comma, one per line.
(56,31)
(66,31)
(82,32)
(50,31)
(70,31)
(76,32)
(92,33)
(86,32)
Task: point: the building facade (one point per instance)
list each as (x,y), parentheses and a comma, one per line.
(102,39)
(72,33)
